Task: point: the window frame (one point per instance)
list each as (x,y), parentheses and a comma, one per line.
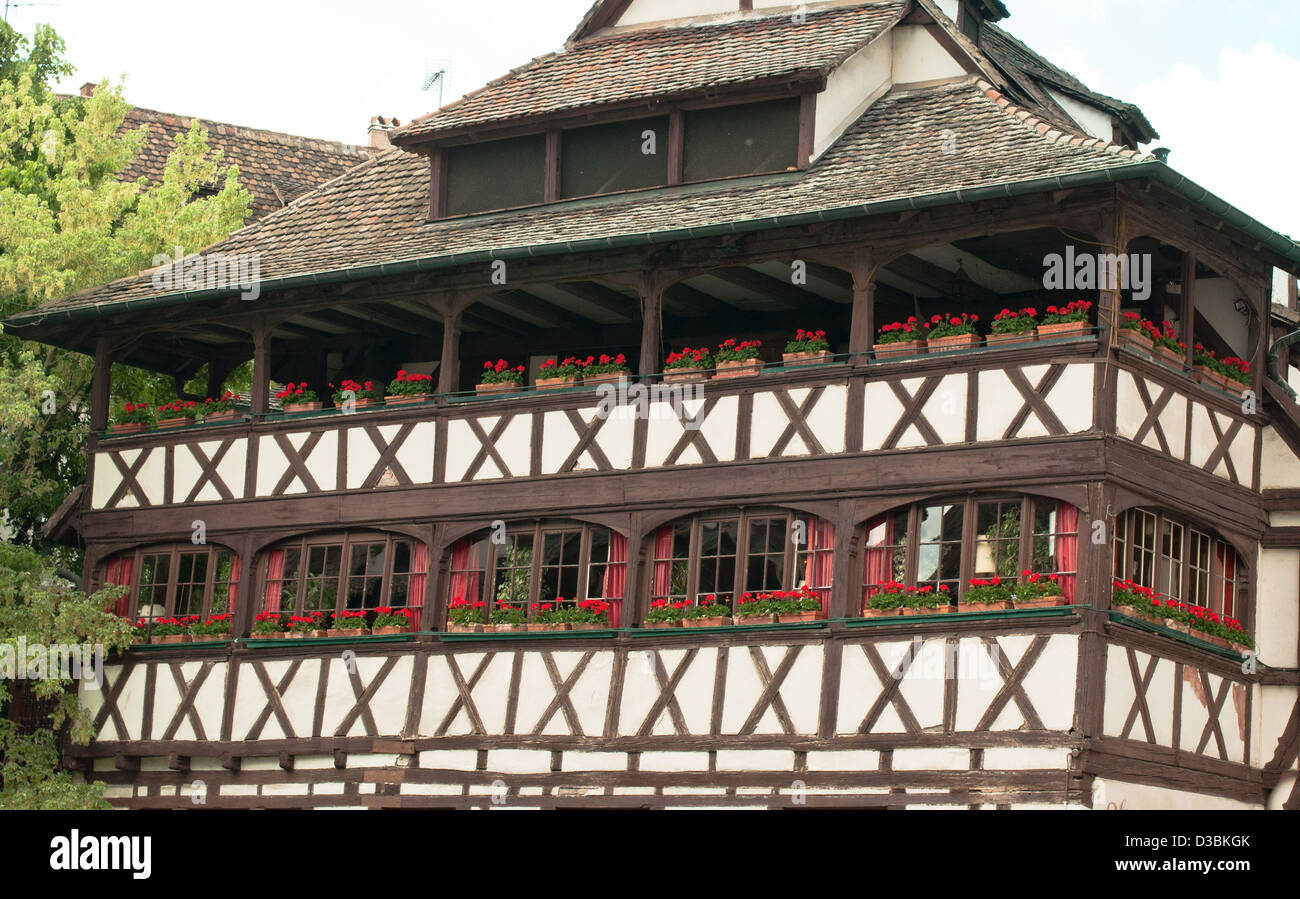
(347,540)
(173,553)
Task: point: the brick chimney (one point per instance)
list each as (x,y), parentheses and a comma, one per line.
(88,89)
(380,128)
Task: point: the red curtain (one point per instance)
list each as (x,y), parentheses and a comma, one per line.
(119,575)
(879,557)
(1067,547)
(663,575)
(465,580)
(419,582)
(819,571)
(233,589)
(616,576)
(1228,566)
(274,578)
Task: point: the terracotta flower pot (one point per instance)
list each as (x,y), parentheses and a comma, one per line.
(661,625)
(295,635)
(797,617)
(721,621)
(1174,625)
(1062,329)
(751,620)
(1213,638)
(795,359)
(408,400)
(164,423)
(556,383)
(1135,340)
(349,631)
(499,387)
(128,427)
(685,375)
(215,417)
(955,342)
(504,628)
(535,628)
(140,641)
(174,638)
(999,340)
(901,348)
(319,634)
(294,408)
(1175,358)
(1040,602)
(742,368)
(454,628)
(388,631)
(362,404)
(987,606)
(932,610)
(880,613)
(612,377)
(589,626)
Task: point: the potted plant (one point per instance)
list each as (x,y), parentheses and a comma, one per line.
(171,630)
(688,366)
(589,615)
(218,410)
(362,394)
(605,369)
(140,631)
(268,625)
(393,621)
(665,614)
(298,398)
(312,624)
(216,627)
(752,610)
(500,377)
(1011,327)
(1168,347)
(349,623)
(927,601)
(549,616)
(408,388)
(952,332)
(988,595)
(1136,332)
(886,600)
(507,617)
(1207,369)
(559,375)
(1236,373)
(1070,320)
(133,418)
(463,616)
(1133,601)
(1038,591)
(737,360)
(707,612)
(807,348)
(793,606)
(177,413)
(907,338)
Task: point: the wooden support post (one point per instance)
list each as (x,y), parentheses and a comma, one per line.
(846,590)
(862,332)
(1108,313)
(1291,291)
(1187,320)
(435,581)
(1259,332)
(261,400)
(101,386)
(449,366)
(640,558)
(247,603)
(651,288)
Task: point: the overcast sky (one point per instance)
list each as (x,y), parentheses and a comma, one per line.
(1215,77)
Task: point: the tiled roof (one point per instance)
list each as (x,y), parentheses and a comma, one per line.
(276,168)
(377,212)
(1008,51)
(660,62)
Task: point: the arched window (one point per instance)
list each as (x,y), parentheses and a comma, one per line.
(949,542)
(174,581)
(1181,559)
(725,554)
(352,571)
(540,563)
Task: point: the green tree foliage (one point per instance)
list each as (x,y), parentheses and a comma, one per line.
(38,608)
(68,222)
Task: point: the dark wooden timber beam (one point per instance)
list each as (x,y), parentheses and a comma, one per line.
(783,293)
(261,398)
(927,274)
(603,298)
(101,384)
(449,364)
(689,302)
(862,332)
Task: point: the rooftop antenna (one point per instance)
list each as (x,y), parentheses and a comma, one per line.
(10,3)
(431,78)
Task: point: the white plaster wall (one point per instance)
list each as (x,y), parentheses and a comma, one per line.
(641,11)
(1094,120)
(694,695)
(850,89)
(106,481)
(718,430)
(1215,298)
(489,694)
(800,691)
(919,57)
(1273,707)
(416,455)
(825,419)
(130,702)
(1108,794)
(514,445)
(1120,693)
(588,695)
(1278,607)
(1280,468)
(322,463)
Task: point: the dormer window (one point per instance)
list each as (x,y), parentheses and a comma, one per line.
(742,140)
(499,174)
(605,159)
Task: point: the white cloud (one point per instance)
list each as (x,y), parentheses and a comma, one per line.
(1231,130)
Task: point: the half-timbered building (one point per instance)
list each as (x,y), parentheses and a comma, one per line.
(682,174)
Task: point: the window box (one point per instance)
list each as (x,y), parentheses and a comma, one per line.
(1132,339)
(925,610)
(739,368)
(1060,330)
(661,625)
(686,375)
(453,628)
(954,342)
(807,358)
(613,377)
(750,620)
(498,387)
(1000,606)
(496,628)
(295,408)
(406,400)
(798,617)
(388,631)
(349,632)
(212,418)
(1039,602)
(588,626)
(127,427)
(174,638)
(1002,340)
(556,383)
(550,627)
(868,612)
(721,621)
(165,423)
(900,348)
(1170,356)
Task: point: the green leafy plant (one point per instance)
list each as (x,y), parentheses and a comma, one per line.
(569,369)
(227,403)
(268,623)
(136,413)
(386,616)
(462,612)
(509,613)
(408,384)
(501,372)
(952,325)
(215,626)
(296,395)
(985,592)
(1076,311)
(1016,322)
(356,390)
(663,611)
(808,342)
(349,619)
(605,365)
(732,351)
(689,358)
(187,409)
(1033,585)
(707,607)
(902,332)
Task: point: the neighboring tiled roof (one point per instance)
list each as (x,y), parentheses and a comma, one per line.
(1008,51)
(377,213)
(658,62)
(276,168)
